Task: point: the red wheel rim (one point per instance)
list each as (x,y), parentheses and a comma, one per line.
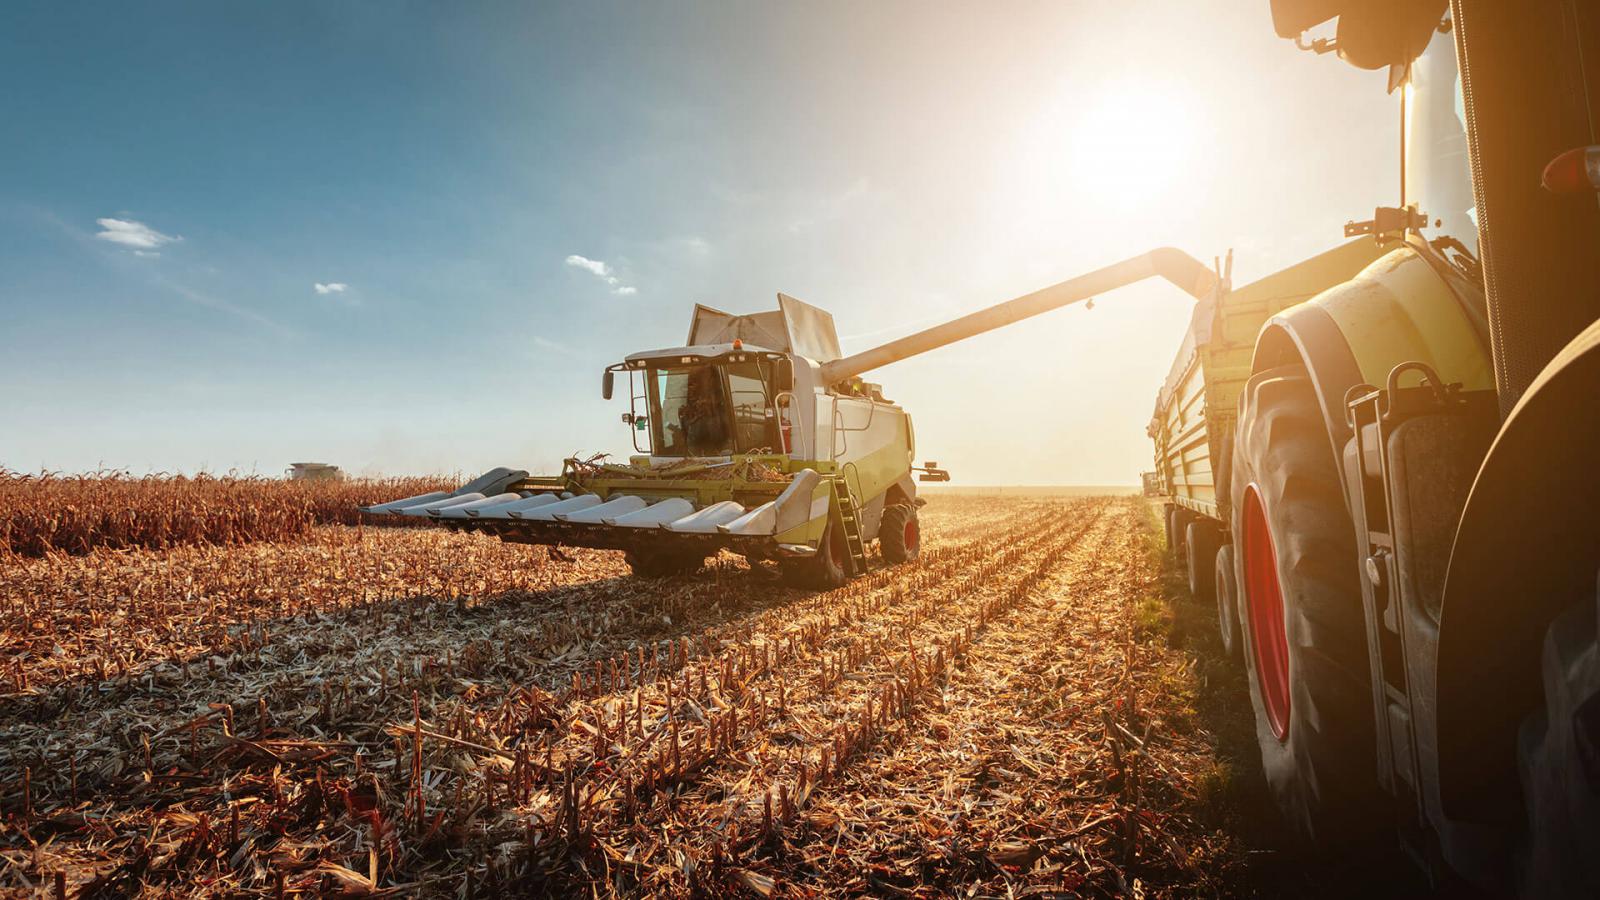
(913,534)
(1263,594)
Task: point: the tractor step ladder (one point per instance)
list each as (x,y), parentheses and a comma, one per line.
(849,518)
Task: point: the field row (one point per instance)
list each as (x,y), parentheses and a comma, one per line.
(567,724)
(436,713)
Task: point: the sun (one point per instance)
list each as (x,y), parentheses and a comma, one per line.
(1126,149)
(1129,146)
(1116,150)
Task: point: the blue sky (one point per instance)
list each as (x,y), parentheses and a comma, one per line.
(499,199)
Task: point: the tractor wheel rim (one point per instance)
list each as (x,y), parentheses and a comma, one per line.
(1268,638)
(913,534)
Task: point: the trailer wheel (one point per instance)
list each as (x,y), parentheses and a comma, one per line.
(1177,523)
(660,563)
(1200,555)
(823,570)
(1226,588)
(899,534)
(1558,759)
(1304,640)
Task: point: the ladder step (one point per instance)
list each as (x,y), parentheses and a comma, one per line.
(854,545)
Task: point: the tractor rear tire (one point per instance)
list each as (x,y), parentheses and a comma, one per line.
(899,534)
(1200,555)
(661,563)
(1558,759)
(824,570)
(1227,591)
(1305,639)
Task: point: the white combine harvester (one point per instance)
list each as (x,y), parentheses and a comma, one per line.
(756,436)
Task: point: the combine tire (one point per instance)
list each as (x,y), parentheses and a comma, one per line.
(899,534)
(823,570)
(659,563)
(1304,644)
(1201,556)
(1227,591)
(1558,759)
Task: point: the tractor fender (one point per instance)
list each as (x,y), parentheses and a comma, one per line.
(1405,306)
(1525,549)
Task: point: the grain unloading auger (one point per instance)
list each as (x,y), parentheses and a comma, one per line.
(757,436)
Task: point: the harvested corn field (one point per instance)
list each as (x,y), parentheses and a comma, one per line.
(416,711)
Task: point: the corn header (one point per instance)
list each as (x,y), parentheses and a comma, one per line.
(757,436)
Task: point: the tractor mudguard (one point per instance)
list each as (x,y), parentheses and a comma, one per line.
(1526,542)
(1407,306)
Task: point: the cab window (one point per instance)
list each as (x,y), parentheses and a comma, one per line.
(709,410)
(752,425)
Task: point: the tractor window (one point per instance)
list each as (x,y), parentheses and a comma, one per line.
(1438,173)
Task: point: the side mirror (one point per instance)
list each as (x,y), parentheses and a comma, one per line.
(783,375)
(607,383)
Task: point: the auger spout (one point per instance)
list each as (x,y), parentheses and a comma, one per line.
(1174,265)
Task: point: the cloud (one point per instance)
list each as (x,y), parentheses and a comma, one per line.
(593,265)
(603,272)
(332,287)
(207,300)
(138,236)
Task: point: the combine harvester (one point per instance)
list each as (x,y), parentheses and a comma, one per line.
(758,437)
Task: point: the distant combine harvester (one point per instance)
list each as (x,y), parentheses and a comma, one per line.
(314,471)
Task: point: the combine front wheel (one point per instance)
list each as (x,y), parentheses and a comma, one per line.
(823,570)
(1304,635)
(899,534)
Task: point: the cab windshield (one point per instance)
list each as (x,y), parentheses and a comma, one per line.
(710,410)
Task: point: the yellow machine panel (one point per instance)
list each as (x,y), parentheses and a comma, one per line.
(1400,309)
(1199,401)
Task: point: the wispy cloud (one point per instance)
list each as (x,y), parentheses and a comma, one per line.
(137,236)
(564,349)
(332,287)
(602,272)
(198,298)
(209,301)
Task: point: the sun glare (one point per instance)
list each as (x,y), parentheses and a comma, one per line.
(1127,148)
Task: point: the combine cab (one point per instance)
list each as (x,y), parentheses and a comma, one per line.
(756,436)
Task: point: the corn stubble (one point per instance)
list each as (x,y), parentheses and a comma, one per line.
(400,711)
